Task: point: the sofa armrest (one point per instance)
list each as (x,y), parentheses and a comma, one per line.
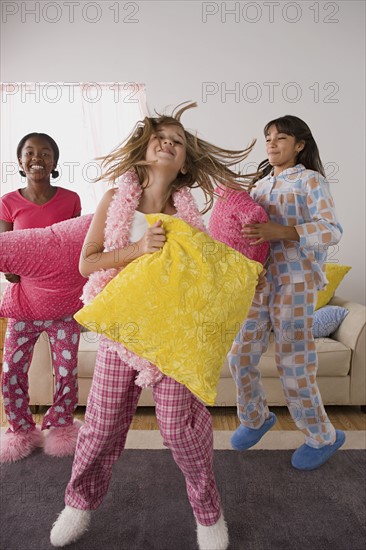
(352,333)
(352,327)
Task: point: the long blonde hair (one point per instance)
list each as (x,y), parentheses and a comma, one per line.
(207,165)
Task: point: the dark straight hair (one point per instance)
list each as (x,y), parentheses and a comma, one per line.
(308,156)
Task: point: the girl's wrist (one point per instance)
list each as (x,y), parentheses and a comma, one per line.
(135,253)
(129,254)
(290,233)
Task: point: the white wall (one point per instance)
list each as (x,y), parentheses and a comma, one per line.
(302,58)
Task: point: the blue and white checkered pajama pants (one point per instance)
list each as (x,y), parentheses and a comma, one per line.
(288,309)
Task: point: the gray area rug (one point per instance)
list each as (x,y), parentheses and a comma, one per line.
(268,505)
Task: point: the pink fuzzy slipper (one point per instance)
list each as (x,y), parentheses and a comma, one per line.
(62,441)
(17,445)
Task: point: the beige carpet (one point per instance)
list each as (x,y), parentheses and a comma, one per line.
(276,440)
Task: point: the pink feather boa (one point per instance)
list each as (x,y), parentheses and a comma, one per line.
(119,220)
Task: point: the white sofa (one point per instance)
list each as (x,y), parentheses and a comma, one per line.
(341,374)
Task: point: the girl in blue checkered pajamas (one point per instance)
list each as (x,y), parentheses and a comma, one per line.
(302,226)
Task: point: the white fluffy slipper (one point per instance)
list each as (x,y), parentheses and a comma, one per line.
(213,537)
(70,525)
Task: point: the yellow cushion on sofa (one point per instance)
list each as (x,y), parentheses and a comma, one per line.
(181,307)
(334,273)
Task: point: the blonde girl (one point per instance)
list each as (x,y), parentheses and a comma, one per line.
(154,169)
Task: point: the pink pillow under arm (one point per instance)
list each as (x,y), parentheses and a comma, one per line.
(47,261)
(231,211)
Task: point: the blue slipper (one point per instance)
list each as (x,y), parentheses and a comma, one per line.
(244,438)
(309,458)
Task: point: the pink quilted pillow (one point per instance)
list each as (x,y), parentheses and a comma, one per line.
(231,211)
(47,260)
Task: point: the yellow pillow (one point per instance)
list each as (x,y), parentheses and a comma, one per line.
(181,307)
(334,273)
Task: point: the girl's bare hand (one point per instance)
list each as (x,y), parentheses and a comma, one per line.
(269,231)
(153,240)
(260,232)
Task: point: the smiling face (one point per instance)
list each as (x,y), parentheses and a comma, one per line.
(167,147)
(37,159)
(282,149)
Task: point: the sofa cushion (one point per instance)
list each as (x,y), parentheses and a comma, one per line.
(334,357)
(334,274)
(334,360)
(88,347)
(327,320)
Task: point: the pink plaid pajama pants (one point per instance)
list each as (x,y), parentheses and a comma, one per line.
(289,310)
(185,425)
(20,338)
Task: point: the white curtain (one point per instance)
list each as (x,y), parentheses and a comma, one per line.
(87,120)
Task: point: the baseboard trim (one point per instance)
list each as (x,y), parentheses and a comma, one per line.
(275,440)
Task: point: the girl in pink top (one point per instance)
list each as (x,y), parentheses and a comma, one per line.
(39,204)
(23,213)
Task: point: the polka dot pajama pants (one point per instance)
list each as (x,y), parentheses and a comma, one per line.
(288,309)
(20,339)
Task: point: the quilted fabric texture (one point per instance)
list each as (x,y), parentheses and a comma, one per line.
(229,214)
(334,274)
(327,319)
(47,260)
(179,308)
